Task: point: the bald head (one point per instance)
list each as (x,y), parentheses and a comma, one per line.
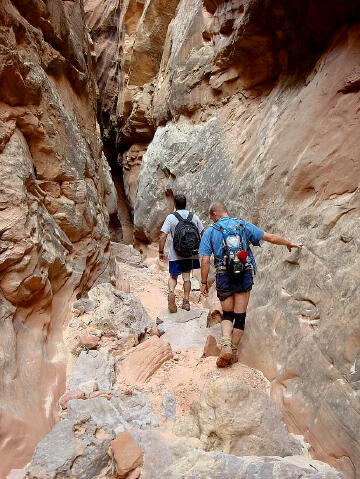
(217,211)
(218,208)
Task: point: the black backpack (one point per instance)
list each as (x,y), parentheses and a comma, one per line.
(186,239)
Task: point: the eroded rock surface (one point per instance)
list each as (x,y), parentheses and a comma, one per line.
(222,466)
(74,449)
(118,312)
(142,362)
(120,413)
(56,194)
(96,366)
(236,419)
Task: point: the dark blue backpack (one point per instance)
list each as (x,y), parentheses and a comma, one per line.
(186,239)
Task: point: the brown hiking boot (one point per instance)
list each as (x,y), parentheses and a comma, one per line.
(185,304)
(234,357)
(225,353)
(171,303)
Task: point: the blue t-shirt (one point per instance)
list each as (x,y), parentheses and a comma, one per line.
(214,245)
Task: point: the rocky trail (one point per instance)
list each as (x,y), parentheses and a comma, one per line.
(144,397)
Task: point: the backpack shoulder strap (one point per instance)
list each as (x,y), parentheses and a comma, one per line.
(190,216)
(177,216)
(217,228)
(242,225)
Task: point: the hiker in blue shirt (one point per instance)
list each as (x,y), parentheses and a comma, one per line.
(229,239)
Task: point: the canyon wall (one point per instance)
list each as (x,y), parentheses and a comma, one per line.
(257,103)
(56,193)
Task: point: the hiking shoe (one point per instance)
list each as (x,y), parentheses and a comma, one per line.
(171,303)
(234,357)
(185,304)
(225,353)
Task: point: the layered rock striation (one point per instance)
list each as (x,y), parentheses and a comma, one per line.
(256,103)
(56,193)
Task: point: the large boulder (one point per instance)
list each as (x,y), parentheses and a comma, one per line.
(222,466)
(72,449)
(119,312)
(120,413)
(236,419)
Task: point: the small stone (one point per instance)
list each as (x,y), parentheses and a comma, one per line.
(68,396)
(154,331)
(211,348)
(84,305)
(346,238)
(127,454)
(74,324)
(89,341)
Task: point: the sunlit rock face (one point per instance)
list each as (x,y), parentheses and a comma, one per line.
(55,195)
(257,103)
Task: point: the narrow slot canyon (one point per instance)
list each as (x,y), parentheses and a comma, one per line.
(108,111)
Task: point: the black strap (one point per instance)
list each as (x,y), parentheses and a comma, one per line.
(242,224)
(178,216)
(212,243)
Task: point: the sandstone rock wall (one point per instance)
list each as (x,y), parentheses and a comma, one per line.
(55,195)
(256,103)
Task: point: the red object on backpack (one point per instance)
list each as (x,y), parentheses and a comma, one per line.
(242,255)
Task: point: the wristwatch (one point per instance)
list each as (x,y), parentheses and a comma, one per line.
(161,252)
(203,282)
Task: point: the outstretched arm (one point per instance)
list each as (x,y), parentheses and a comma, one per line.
(162,241)
(275,239)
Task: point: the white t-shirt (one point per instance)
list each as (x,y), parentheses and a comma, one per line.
(169,227)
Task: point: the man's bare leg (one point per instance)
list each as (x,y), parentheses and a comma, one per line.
(241,301)
(227,329)
(171,294)
(187,289)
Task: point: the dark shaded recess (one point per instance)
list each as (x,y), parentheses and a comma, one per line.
(301,28)
(113,153)
(309,25)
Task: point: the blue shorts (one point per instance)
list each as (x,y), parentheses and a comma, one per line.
(226,286)
(183,266)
